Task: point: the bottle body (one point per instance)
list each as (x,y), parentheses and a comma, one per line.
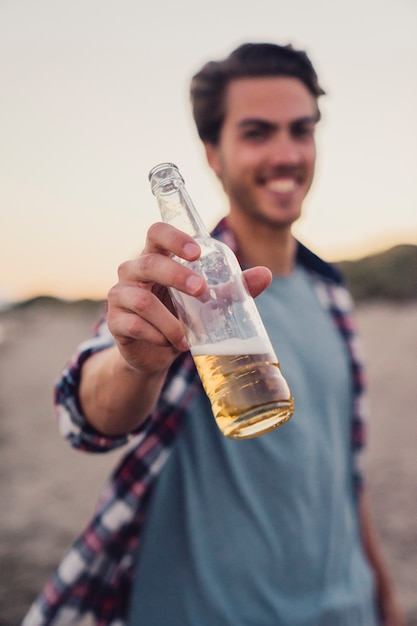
(229,344)
(247,391)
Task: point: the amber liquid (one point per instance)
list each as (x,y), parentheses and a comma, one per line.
(248,393)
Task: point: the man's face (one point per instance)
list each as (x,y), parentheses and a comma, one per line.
(266,152)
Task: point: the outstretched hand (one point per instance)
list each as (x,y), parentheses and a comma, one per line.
(140,312)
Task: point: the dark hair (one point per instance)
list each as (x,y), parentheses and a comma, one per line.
(208,86)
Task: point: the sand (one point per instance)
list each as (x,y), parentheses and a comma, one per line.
(48,491)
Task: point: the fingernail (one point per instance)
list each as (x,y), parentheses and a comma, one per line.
(191,249)
(193,283)
(184,345)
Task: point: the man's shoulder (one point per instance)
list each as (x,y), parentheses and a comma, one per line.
(312,262)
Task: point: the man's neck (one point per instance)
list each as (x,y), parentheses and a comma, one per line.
(261,244)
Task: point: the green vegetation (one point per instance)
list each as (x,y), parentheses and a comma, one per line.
(45,302)
(51,301)
(389,275)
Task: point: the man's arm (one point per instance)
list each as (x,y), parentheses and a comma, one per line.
(120,385)
(116,398)
(387,602)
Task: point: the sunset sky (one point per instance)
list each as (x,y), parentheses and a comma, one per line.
(93,93)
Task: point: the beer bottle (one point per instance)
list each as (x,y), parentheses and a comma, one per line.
(228,341)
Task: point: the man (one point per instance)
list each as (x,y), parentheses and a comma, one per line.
(195,529)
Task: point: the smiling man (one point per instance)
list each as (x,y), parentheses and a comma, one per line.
(265,158)
(196,529)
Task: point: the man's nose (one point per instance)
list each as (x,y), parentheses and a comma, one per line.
(284,150)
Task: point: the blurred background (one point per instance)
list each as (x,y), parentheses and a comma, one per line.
(94,93)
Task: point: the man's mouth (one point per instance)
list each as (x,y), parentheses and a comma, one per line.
(281,185)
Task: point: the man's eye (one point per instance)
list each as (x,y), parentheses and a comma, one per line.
(254,134)
(303,130)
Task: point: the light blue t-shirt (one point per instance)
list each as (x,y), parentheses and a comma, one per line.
(263,532)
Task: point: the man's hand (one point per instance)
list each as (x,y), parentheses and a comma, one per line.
(141,316)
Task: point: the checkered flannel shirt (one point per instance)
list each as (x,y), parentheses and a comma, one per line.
(95,577)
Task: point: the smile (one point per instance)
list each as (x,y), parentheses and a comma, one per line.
(281,185)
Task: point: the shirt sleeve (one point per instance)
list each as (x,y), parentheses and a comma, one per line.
(337,299)
(72,423)
(360,413)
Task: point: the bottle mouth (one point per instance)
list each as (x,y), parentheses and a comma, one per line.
(165,174)
(162,166)
(162,173)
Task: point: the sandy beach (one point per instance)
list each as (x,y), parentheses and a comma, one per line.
(48,491)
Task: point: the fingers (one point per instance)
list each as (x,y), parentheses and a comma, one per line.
(257,279)
(155,265)
(137,314)
(167,239)
(140,313)
(156,269)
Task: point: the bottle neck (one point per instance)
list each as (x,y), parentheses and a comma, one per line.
(175,205)
(177,209)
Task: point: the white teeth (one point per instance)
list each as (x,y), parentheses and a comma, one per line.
(282,185)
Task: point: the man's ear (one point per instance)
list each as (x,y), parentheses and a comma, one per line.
(212,155)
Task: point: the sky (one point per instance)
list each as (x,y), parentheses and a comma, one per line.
(94,93)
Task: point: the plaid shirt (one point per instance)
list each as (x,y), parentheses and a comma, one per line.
(95,577)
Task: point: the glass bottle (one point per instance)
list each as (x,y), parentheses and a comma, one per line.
(228,341)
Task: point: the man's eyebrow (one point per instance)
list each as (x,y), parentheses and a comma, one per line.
(262,123)
(255,121)
(308,119)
